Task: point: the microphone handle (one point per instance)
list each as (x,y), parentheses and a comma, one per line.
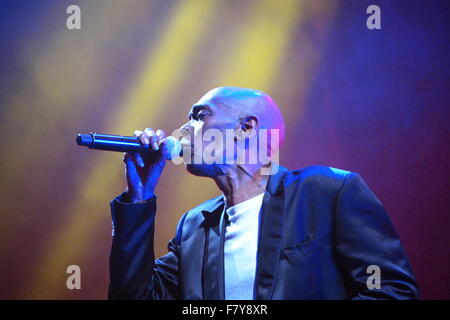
(111,142)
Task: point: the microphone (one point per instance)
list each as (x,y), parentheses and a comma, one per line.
(110,142)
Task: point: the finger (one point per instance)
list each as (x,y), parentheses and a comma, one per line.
(142,137)
(137,133)
(131,169)
(160,134)
(149,132)
(153,139)
(127,157)
(133,160)
(138,159)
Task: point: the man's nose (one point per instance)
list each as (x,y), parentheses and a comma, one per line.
(187,129)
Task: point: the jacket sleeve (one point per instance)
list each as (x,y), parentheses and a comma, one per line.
(366,237)
(134,273)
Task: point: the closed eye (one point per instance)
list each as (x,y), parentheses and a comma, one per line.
(201,114)
(198,113)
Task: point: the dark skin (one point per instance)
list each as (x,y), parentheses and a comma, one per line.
(238,182)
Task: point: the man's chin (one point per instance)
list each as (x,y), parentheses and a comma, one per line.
(201,170)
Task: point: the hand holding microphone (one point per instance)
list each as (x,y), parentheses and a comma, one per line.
(145,157)
(142,170)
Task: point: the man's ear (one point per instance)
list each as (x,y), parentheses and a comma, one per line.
(247,128)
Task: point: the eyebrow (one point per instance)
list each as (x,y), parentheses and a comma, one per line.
(197,108)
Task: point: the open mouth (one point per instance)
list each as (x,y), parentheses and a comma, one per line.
(188,147)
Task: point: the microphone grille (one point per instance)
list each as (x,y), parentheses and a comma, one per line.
(174,147)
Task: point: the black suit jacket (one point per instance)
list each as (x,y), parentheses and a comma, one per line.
(320,229)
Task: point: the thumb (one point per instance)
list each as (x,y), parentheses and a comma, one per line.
(131,167)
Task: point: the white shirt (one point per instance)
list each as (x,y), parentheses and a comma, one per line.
(240,248)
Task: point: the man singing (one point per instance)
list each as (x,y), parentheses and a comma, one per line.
(313,233)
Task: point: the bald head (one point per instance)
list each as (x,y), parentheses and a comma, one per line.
(245,102)
(232,127)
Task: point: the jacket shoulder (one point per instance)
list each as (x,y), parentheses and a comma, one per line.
(319,174)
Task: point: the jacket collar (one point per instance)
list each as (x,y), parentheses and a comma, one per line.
(270,230)
(276,180)
(269,244)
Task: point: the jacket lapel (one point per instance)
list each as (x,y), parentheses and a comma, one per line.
(269,240)
(213,272)
(269,244)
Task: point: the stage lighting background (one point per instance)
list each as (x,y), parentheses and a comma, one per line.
(371,101)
